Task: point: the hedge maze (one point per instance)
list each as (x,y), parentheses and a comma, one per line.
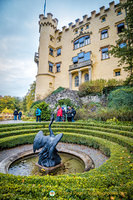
(113,180)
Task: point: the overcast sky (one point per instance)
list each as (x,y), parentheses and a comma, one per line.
(19,36)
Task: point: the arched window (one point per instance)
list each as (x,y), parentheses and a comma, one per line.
(50,67)
(85,40)
(86,77)
(76,81)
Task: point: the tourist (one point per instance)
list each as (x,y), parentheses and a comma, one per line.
(63,114)
(69,114)
(19,115)
(73,114)
(15,114)
(38,115)
(59,114)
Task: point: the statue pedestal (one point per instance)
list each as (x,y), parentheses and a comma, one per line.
(48,170)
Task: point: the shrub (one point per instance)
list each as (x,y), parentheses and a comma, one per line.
(58,90)
(121,97)
(97,87)
(104,114)
(6,110)
(92,87)
(62,102)
(46,111)
(122,114)
(35,103)
(87,111)
(113,82)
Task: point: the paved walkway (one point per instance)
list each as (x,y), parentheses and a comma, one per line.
(13,122)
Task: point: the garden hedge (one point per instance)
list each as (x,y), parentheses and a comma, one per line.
(111,181)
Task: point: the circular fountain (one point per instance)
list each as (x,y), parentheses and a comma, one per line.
(75,159)
(65,159)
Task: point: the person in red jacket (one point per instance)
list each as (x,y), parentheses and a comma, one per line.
(59,114)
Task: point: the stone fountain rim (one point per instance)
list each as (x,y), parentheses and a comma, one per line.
(6,163)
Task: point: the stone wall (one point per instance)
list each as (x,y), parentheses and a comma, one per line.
(64,94)
(96,99)
(73,96)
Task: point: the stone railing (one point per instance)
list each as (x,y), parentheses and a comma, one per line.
(79,65)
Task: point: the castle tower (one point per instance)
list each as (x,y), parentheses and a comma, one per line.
(45,56)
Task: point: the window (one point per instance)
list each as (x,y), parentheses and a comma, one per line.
(117,73)
(50,67)
(103,19)
(58,39)
(50,85)
(81,57)
(87,26)
(76,44)
(51,51)
(58,51)
(105,54)
(58,67)
(119,12)
(82,42)
(76,31)
(104,34)
(86,77)
(76,81)
(87,56)
(122,45)
(87,40)
(75,59)
(120,27)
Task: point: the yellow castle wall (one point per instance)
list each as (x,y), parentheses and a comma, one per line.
(47,81)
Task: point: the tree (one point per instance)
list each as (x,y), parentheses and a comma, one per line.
(17,103)
(30,96)
(24,104)
(10,103)
(124,45)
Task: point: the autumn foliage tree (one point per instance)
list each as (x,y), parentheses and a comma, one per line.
(11,103)
(30,97)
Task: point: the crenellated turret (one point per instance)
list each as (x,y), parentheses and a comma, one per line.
(48,20)
(45,56)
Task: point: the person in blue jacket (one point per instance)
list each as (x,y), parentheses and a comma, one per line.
(19,115)
(38,115)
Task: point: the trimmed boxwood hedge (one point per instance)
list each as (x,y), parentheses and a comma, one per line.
(111,181)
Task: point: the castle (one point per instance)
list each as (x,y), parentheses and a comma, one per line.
(78,53)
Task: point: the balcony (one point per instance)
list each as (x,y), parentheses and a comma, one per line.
(80,65)
(36,57)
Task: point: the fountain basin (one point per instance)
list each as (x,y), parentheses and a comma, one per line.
(81,159)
